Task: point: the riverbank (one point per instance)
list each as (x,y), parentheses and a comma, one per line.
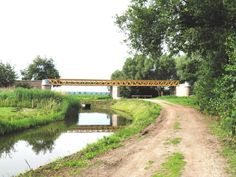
(26,108)
(143,114)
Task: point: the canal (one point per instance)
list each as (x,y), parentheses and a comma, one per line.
(22,151)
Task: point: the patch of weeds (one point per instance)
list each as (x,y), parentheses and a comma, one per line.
(149,164)
(176,125)
(79,163)
(172,167)
(75,172)
(173,140)
(230,154)
(228,150)
(140,138)
(96,163)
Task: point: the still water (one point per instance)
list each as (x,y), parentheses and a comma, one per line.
(32,148)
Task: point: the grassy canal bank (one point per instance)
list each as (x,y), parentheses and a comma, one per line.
(142,113)
(25,108)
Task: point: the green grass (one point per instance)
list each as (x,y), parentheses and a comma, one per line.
(25,108)
(177,125)
(173,141)
(149,164)
(143,113)
(91,97)
(186,101)
(172,167)
(228,146)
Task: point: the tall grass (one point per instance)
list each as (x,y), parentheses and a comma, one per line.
(32,107)
(28,97)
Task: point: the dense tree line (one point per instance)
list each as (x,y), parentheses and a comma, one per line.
(141,67)
(205,31)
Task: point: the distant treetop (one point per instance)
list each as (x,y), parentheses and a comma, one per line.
(41,68)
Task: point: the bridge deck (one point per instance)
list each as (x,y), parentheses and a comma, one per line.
(91,82)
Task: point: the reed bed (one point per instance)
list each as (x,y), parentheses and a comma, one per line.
(24,108)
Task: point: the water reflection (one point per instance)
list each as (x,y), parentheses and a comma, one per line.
(41,139)
(22,153)
(94,119)
(42,145)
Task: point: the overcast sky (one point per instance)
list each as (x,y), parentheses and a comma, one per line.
(80,35)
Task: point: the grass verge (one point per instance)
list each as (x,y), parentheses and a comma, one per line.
(186,101)
(229,146)
(143,113)
(172,167)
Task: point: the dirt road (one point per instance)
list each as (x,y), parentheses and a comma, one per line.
(200,149)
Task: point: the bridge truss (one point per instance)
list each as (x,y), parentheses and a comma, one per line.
(92,82)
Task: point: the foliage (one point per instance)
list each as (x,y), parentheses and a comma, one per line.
(172,167)
(143,114)
(145,68)
(220,99)
(187,26)
(41,68)
(205,32)
(7,75)
(188,68)
(25,108)
(228,143)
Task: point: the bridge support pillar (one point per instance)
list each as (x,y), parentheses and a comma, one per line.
(183,89)
(45,84)
(115,92)
(114,120)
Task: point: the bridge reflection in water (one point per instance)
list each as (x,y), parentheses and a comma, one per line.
(99,122)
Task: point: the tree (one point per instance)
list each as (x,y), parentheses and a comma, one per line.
(204,28)
(117,75)
(41,68)
(188,68)
(7,75)
(183,25)
(145,68)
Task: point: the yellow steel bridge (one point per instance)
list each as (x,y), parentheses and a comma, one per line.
(93,82)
